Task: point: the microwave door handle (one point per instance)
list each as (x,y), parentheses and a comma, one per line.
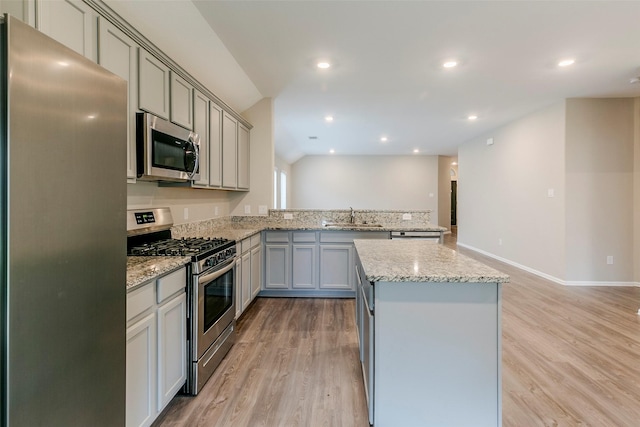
(196,150)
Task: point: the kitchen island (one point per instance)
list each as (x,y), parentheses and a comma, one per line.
(430,337)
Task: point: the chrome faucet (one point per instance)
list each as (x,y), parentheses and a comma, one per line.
(353,216)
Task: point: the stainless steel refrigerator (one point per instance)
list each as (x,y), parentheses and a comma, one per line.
(62,234)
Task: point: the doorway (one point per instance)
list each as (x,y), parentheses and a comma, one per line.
(454,207)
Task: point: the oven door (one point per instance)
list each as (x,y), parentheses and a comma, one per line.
(216,304)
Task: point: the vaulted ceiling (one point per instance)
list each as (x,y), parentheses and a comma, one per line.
(387,78)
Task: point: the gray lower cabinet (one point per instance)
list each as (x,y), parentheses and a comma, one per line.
(311,263)
(336,263)
(156,350)
(117,52)
(248,272)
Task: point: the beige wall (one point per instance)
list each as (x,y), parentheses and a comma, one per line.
(587,151)
(444,191)
(200,204)
(365,182)
(503,203)
(599,199)
(636,190)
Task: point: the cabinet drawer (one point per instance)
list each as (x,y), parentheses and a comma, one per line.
(304,236)
(255,240)
(245,245)
(349,236)
(171,284)
(139,301)
(277,237)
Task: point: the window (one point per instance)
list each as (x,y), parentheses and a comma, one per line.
(275,188)
(283,190)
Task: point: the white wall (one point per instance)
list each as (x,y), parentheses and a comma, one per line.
(365,182)
(502,192)
(599,189)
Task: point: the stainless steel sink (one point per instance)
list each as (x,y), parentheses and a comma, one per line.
(350,225)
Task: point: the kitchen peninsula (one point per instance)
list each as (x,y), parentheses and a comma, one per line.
(430,335)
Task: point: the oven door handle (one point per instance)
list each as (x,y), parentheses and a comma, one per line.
(213,276)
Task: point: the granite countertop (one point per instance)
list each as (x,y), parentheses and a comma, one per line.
(141,269)
(421,261)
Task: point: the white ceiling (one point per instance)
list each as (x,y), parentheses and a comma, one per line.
(387,77)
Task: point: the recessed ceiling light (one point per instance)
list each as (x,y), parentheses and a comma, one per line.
(450,64)
(472,117)
(416,151)
(323,65)
(454,163)
(328,119)
(332,151)
(384,139)
(566,62)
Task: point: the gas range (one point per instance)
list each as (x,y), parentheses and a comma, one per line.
(149,234)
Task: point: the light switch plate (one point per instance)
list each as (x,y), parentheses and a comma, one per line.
(186,213)
(247,209)
(262,209)
(288,216)
(551,192)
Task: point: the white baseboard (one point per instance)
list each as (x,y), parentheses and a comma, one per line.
(545,275)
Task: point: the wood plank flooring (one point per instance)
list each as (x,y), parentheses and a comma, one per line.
(571,357)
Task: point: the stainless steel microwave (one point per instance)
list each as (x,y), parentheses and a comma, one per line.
(165,151)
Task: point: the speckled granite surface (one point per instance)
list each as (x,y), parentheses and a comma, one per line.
(421,261)
(141,269)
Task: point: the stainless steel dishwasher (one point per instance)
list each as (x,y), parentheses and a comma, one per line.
(418,235)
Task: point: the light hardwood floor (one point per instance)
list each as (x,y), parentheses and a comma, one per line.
(571,357)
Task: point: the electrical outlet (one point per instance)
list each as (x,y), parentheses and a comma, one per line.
(609,259)
(215,211)
(551,192)
(499,242)
(262,209)
(247,209)
(186,213)
(406,217)
(490,141)
(288,216)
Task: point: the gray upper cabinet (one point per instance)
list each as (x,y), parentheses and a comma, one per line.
(215,145)
(153,85)
(181,102)
(243,157)
(24,10)
(229,152)
(71,22)
(117,53)
(201,127)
